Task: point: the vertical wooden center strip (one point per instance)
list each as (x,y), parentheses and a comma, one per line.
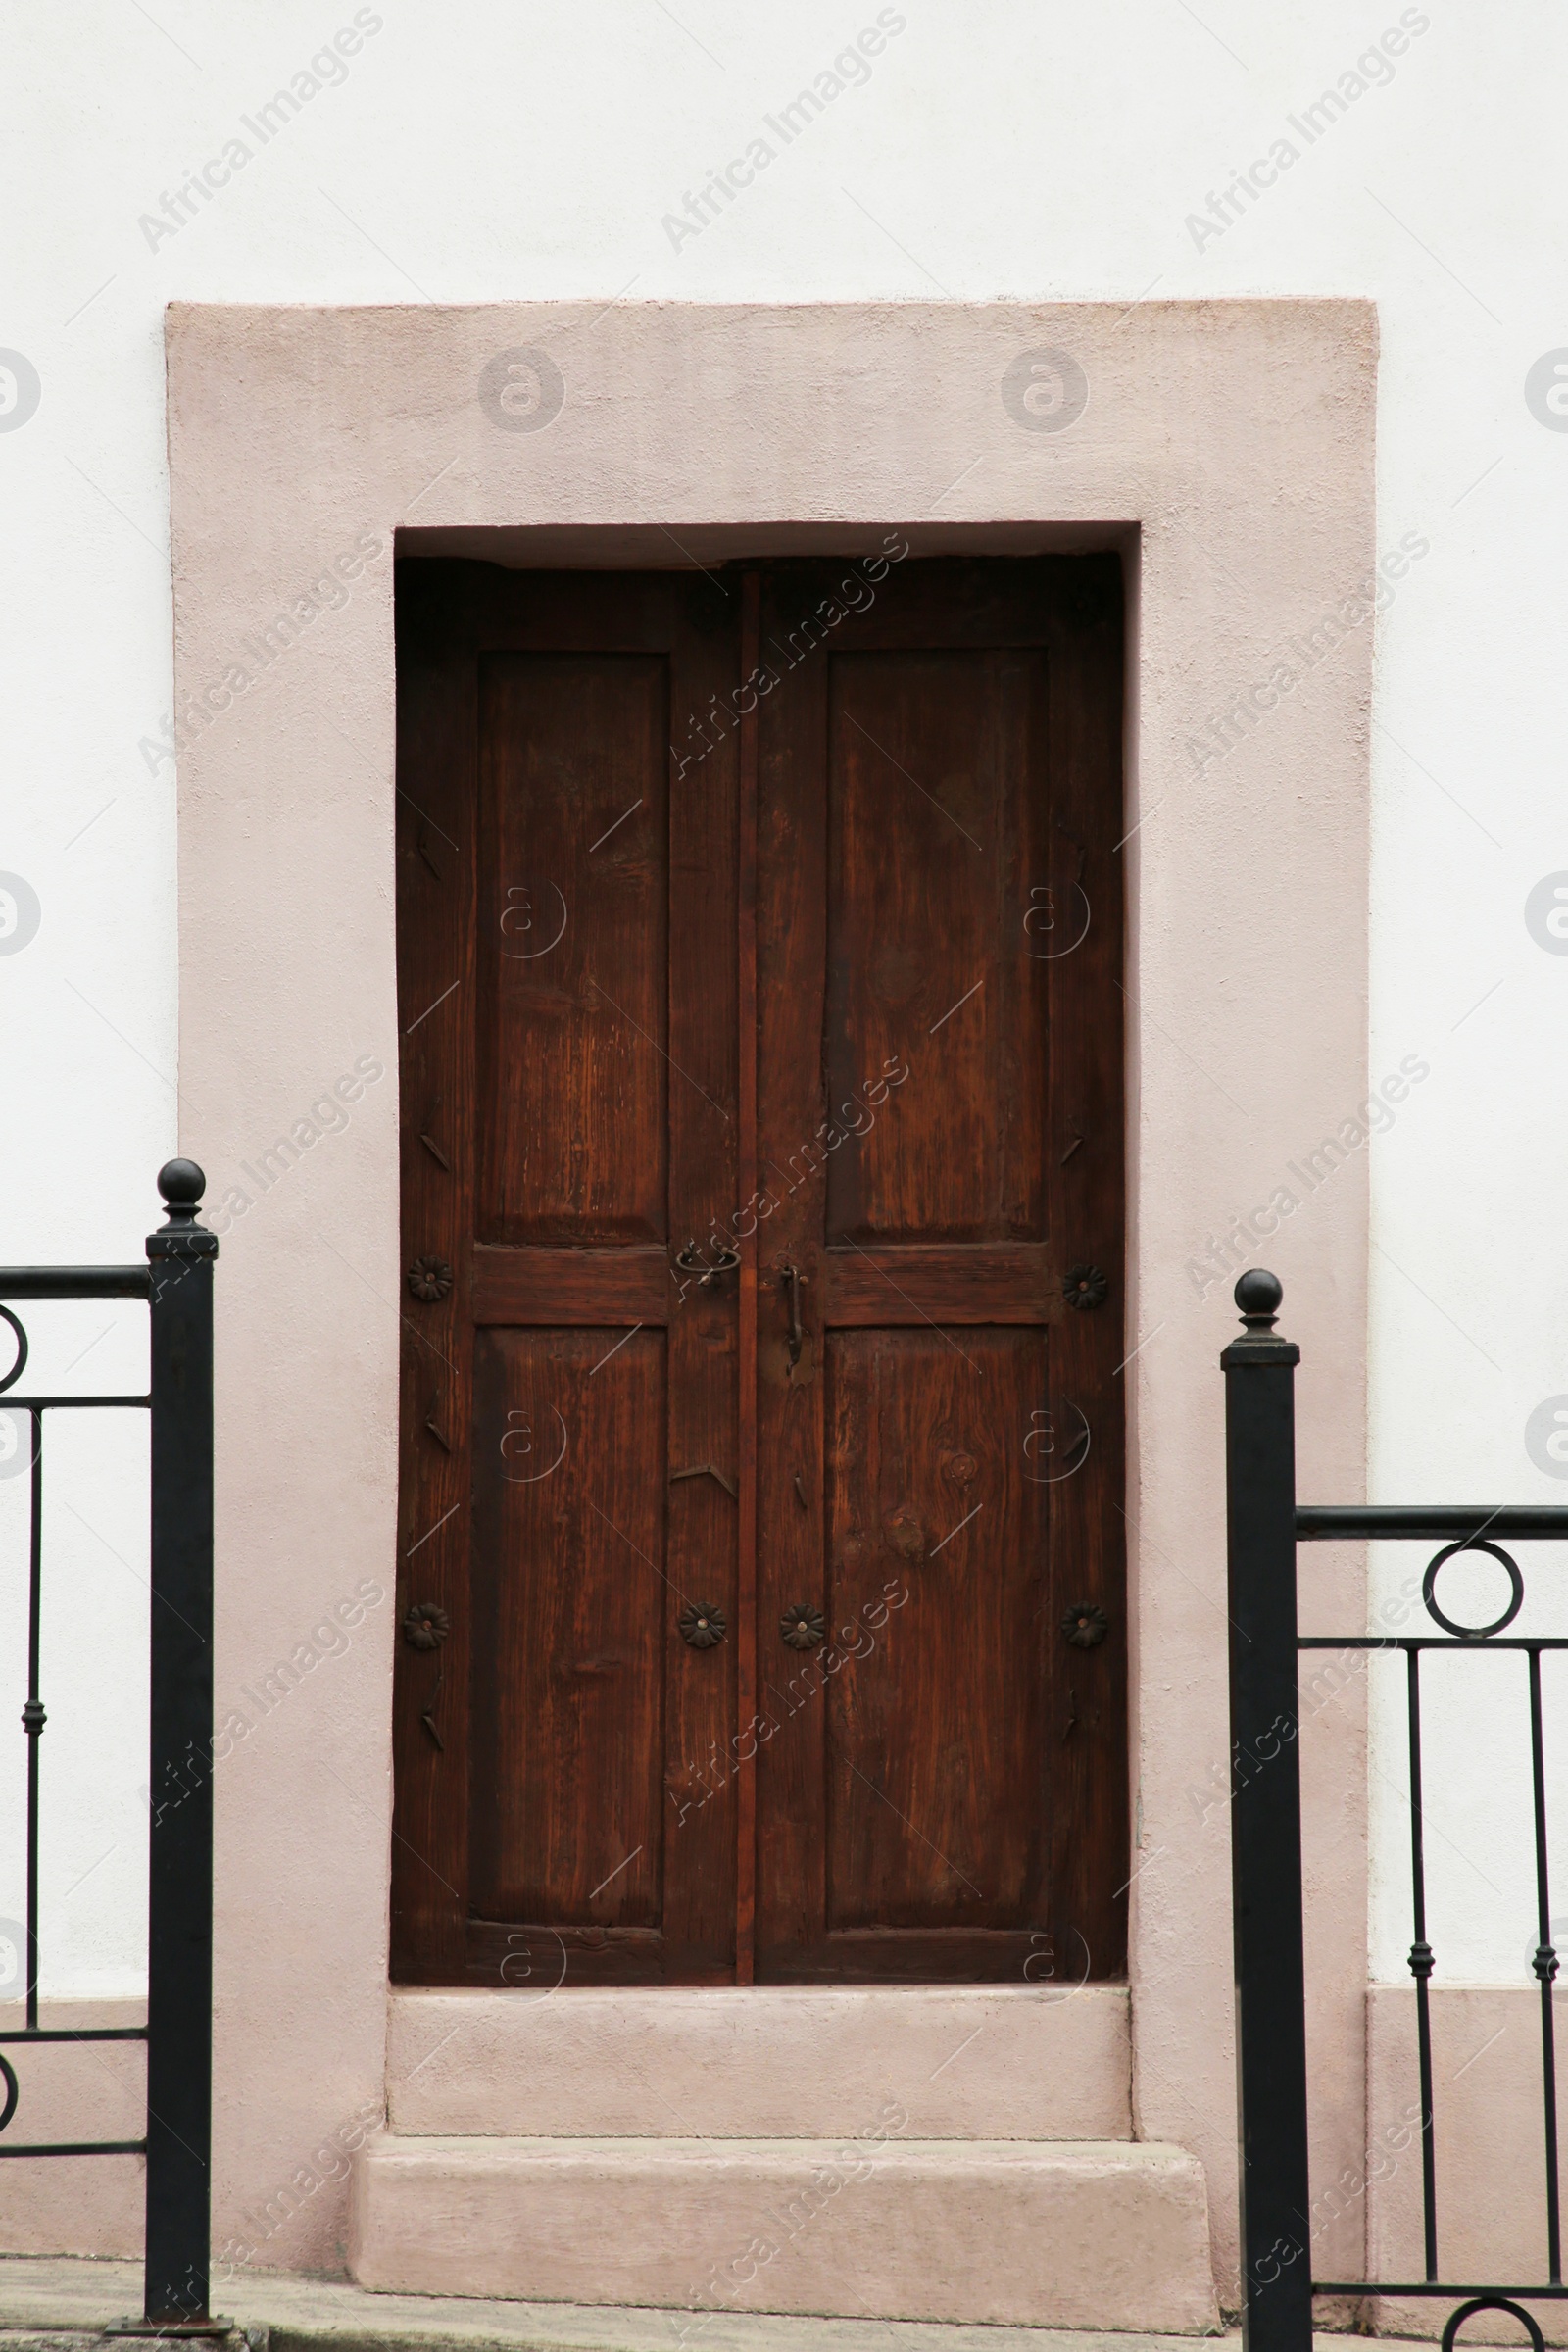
(746,1561)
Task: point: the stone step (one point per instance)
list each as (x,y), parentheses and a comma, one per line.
(1047,2233)
(759,2062)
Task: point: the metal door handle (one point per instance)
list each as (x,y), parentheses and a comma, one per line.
(726,1262)
(792,1278)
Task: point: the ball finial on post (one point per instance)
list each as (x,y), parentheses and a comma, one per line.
(1258,1293)
(181,1183)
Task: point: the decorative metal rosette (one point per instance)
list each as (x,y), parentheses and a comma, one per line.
(1086,1286)
(702,1624)
(430,1279)
(425,1627)
(802,1627)
(1085,1625)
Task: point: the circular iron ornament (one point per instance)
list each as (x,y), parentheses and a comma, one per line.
(1086,1626)
(701,1625)
(802,1627)
(1086,1286)
(1474,1633)
(20,1365)
(425,1627)
(13,2090)
(430,1279)
(1467,2310)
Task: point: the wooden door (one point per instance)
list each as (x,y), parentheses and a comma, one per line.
(761,1579)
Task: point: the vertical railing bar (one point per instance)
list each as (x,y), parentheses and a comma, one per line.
(1421,1965)
(32,1714)
(1545,1967)
(179,1857)
(1266,1827)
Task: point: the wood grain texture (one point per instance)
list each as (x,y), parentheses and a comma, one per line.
(939,1784)
(746,1714)
(701,1794)
(1005,1282)
(930,846)
(792,1565)
(569,1597)
(570,1285)
(572,916)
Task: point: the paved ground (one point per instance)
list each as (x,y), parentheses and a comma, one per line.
(60,2306)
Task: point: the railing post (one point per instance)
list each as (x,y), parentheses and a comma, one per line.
(179,1963)
(1266,1827)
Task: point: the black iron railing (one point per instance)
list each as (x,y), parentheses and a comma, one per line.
(1265,1524)
(176,1282)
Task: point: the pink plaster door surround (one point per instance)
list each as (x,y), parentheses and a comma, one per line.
(1226,449)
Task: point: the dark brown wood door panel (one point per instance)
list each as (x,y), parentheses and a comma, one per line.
(937,816)
(573,972)
(939,1720)
(837,998)
(573,1688)
(930,828)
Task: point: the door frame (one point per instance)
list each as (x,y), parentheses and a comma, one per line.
(1226,450)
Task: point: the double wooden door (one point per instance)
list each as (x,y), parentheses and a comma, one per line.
(761,1568)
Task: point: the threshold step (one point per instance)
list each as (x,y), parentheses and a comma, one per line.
(1044,2233)
(972,2061)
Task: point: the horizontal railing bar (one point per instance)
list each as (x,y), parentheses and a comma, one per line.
(81,2147)
(1330,1522)
(75,1281)
(1378,2286)
(1392,1641)
(38,1404)
(78,2034)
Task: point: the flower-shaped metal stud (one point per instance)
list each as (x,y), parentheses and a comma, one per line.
(1086,1286)
(425,1627)
(802,1627)
(1086,1626)
(702,1624)
(430,1279)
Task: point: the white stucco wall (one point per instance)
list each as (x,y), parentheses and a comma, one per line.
(487,152)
